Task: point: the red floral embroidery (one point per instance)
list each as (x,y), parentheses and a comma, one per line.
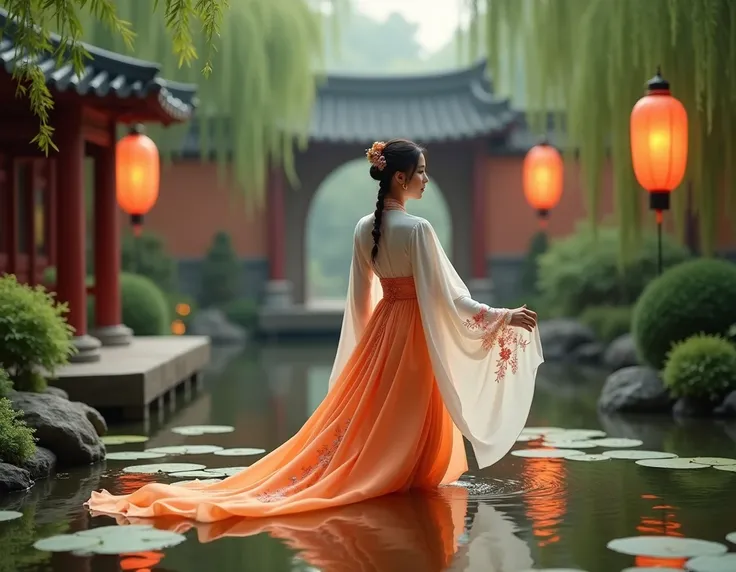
(310,473)
(495,330)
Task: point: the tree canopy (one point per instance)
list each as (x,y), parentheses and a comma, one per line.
(591,59)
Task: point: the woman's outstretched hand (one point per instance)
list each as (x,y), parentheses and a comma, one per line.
(523,318)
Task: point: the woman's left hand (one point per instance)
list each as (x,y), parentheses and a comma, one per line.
(523,318)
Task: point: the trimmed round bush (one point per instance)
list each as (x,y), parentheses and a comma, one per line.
(701,367)
(34,333)
(145,306)
(608,322)
(587,269)
(242,312)
(698,296)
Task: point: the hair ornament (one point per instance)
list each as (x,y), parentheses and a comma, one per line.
(375,155)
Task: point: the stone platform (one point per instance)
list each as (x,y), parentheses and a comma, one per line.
(127,380)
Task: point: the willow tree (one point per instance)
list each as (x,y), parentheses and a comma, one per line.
(254,62)
(590,60)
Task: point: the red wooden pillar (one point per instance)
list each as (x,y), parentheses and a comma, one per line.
(479,213)
(71,257)
(108,305)
(11,237)
(276,225)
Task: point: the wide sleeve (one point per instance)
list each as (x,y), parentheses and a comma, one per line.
(485,368)
(364,293)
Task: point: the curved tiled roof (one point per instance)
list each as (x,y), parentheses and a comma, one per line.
(105,73)
(427,108)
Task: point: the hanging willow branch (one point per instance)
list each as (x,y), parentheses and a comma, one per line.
(592,58)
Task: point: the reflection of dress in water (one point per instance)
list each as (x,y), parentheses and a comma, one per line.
(419,365)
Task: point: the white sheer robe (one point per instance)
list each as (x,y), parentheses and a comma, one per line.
(485,369)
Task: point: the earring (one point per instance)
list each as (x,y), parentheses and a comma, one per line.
(403,186)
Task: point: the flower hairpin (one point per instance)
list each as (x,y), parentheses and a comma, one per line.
(375,155)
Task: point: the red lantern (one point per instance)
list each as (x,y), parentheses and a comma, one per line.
(659,136)
(137,175)
(543,177)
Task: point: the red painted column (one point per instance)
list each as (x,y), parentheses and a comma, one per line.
(479,213)
(70,217)
(108,307)
(12,203)
(276,225)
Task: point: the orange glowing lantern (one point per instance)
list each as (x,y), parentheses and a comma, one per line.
(659,135)
(543,176)
(137,175)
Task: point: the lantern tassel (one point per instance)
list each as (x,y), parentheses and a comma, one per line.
(659,241)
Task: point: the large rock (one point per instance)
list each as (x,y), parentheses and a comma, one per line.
(635,389)
(62,427)
(562,338)
(41,465)
(213,323)
(94,417)
(728,407)
(689,407)
(621,353)
(14,478)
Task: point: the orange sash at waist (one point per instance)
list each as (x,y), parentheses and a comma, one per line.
(401,288)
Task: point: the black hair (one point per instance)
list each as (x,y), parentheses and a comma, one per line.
(402,156)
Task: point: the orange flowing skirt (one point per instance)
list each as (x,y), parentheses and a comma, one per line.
(382,428)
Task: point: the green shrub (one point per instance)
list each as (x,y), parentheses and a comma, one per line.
(701,367)
(5,384)
(529,278)
(34,332)
(581,270)
(608,322)
(220,273)
(146,256)
(145,307)
(17,443)
(694,297)
(242,312)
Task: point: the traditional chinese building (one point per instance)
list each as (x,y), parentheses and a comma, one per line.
(42,199)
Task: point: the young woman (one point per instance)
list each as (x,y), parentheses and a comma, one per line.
(419,364)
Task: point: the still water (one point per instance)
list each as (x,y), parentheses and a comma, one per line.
(519,514)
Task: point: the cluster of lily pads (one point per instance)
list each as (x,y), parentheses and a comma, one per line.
(190,471)
(558,443)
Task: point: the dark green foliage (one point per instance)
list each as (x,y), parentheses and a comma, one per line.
(696,296)
(530,271)
(17,443)
(146,255)
(701,367)
(608,322)
(583,270)
(220,273)
(145,307)
(242,312)
(5,384)
(34,334)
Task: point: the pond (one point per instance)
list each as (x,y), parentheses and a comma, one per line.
(520,514)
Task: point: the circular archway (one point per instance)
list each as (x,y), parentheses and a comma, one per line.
(344,197)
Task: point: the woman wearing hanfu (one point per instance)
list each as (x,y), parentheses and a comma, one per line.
(419,365)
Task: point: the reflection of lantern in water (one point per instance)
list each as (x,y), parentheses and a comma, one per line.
(131,482)
(140,561)
(546,511)
(665,525)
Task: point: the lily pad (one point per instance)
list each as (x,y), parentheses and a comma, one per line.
(571,444)
(637,454)
(199,481)
(132,455)
(9,515)
(670,464)
(546,453)
(163,468)
(666,547)
(576,435)
(66,543)
(614,442)
(589,458)
(230,471)
(723,563)
(242,452)
(731,537)
(713,461)
(102,532)
(523,438)
(139,541)
(207,473)
(202,429)
(731,468)
(186,450)
(542,430)
(123,439)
